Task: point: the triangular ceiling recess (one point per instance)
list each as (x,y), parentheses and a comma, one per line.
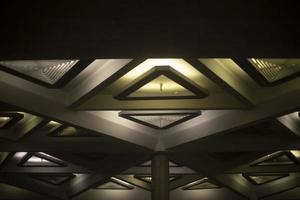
(69,131)
(278,158)
(40,160)
(259,179)
(48,73)
(115,184)
(7,120)
(159,119)
(270,71)
(201,185)
(162,82)
(55,179)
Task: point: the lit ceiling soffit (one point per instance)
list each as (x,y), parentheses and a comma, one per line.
(159,119)
(162,82)
(7,120)
(40,160)
(260,179)
(201,184)
(170,84)
(115,184)
(277,158)
(56,179)
(270,71)
(148,178)
(48,73)
(58,130)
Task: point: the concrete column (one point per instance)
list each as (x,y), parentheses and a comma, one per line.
(160,176)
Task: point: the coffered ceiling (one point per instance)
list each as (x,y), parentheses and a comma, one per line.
(89,91)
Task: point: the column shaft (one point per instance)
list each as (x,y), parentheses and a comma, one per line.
(160,176)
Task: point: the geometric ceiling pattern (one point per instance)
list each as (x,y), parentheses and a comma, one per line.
(69,71)
(220,80)
(225,133)
(134,179)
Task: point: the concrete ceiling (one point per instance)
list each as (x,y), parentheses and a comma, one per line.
(78,125)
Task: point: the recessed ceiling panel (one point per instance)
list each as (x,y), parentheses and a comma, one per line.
(271,71)
(159,119)
(154,84)
(49,73)
(7,120)
(201,184)
(51,126)
(40,160)
(54,179)
(259,179)
(115,184)
(278,158)
(161,87)
(162,82)
(69,131)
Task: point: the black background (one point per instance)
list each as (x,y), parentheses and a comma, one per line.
(124,29)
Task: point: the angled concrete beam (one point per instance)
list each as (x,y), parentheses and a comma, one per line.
(50,107)
(210,168)
(33,185)
(232,120)
(109,168)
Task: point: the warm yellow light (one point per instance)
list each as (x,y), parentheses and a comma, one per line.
(178,64)
(296,153)
(68,131)
(162,86)
(4,120)
(120,181)
(53,123)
